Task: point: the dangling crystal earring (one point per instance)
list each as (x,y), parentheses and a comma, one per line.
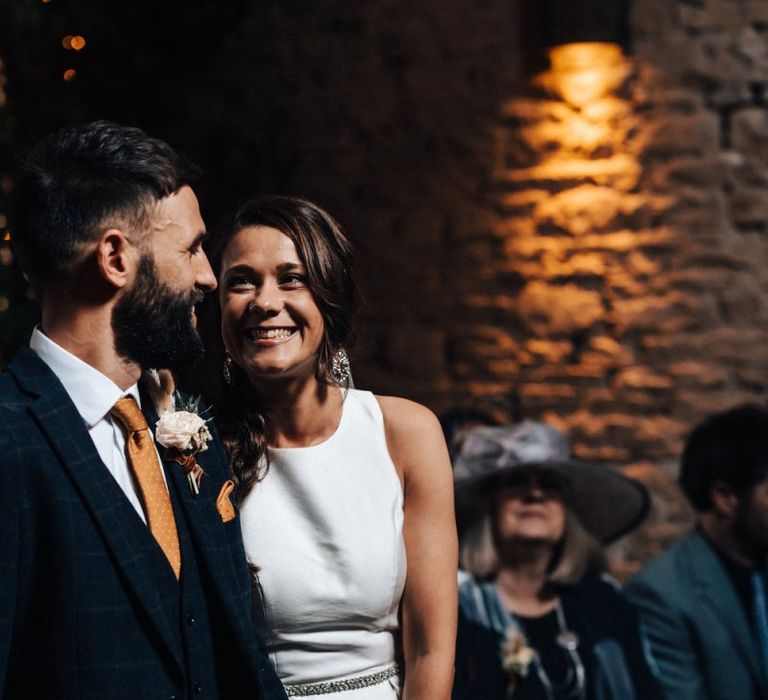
(340,367)
(227,370)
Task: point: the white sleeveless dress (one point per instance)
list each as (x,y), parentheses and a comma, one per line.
(325,528)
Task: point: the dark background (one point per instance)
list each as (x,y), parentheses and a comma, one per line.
(380,111)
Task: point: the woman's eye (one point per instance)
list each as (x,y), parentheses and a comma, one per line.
(239,281)
(293,280)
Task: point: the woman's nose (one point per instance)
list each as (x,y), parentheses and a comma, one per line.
(266,301)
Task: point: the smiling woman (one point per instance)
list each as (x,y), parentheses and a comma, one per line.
(271,324)
(337,488)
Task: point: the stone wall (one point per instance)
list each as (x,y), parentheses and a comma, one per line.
(633,200)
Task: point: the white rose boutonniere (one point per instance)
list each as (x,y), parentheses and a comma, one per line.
(184,433)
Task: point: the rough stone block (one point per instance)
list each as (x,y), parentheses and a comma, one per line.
(671,313)
(699,373)
(584,209)
(713,14)
(641,377)
(549,309)
(549,351)
(677,134)
(702,402)
(756,11)
(749,132)
(620,171)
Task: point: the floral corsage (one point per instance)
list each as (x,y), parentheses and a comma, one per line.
(516,656)
(184,433)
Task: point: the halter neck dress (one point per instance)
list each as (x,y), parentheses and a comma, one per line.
(325,529)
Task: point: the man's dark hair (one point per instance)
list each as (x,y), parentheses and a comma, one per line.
(80,180)
(732,447)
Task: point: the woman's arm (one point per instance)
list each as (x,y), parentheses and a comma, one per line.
(429,606)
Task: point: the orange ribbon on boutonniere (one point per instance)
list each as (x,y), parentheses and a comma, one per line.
(184,433)
(191,468)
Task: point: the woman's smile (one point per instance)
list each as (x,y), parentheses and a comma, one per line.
(270,336)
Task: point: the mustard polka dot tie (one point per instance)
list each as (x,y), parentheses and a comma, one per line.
(142,458)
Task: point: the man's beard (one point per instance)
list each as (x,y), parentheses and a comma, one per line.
(152,323)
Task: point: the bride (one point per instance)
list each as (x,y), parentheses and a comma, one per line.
(345,497)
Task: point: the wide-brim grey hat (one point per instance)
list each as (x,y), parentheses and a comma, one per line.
(606,502)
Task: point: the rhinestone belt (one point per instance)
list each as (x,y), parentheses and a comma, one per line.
(326,687)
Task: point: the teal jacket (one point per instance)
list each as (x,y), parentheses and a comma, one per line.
(699,635)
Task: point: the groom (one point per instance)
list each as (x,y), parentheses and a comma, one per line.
(121,575)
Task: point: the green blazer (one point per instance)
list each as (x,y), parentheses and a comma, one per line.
(700,637)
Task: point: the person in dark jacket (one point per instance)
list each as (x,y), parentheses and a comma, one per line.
(703,601)
(537,617)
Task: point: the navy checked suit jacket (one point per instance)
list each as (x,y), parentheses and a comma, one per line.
(80,616)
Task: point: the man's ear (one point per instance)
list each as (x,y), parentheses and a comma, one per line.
(115,255)
(724,500)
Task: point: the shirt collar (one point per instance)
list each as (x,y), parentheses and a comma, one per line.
(92,392)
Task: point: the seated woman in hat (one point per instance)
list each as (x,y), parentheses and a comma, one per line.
(537,619)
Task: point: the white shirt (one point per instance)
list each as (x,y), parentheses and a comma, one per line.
(94,394)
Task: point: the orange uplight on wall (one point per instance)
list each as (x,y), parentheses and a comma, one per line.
(586,71)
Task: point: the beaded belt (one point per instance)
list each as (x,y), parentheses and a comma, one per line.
(326,687)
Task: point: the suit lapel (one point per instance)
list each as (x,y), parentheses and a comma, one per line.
(209,538)
(112,513)
(716,589)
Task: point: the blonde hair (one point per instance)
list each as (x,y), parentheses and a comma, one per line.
(577,554)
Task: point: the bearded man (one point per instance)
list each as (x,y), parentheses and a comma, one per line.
(122,572)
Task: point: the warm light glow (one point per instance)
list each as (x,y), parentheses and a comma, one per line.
(70,74)
(7,236)
(584,55)
(4,304)
(584,72)
(73,43)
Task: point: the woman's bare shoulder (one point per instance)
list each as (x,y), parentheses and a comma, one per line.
(414,437)
(405,417)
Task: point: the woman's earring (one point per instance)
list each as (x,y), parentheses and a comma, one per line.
(340,367)
(227,370)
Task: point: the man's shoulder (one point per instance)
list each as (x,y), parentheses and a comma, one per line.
(13,401)
(669,571)
(19,429)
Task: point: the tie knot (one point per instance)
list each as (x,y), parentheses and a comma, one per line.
(127,411)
